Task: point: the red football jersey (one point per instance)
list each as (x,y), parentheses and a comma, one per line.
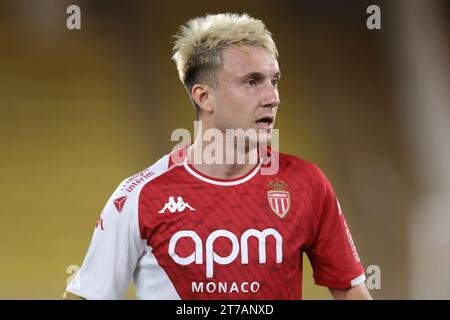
(183,235)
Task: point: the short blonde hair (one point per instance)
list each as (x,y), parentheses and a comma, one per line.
(199,43)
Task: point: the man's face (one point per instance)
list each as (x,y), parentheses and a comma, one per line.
(246,96)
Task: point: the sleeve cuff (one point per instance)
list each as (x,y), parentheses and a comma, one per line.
(339,284)
(358,280)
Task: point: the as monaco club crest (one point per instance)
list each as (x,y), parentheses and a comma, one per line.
(279,199)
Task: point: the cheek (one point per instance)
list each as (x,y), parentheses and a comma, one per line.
(231,103)
(235,108)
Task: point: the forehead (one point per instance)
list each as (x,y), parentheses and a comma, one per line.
(242,60)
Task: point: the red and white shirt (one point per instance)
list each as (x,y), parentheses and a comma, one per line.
(179,234)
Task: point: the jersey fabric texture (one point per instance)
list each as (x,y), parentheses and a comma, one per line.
(179,234)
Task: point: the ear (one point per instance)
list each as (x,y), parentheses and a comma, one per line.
(202,96)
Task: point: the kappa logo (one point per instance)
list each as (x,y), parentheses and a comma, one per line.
(178,206)
(119,203)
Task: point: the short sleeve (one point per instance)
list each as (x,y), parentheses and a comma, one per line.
(113,253)
(332,253)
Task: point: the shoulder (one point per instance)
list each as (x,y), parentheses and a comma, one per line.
(297,165)
(304,170)
(133,184)
(127,193)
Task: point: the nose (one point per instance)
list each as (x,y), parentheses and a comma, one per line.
(271,97)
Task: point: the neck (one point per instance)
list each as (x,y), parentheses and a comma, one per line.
(218,166)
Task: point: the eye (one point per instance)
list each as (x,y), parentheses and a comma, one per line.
(251,82)
(275,82)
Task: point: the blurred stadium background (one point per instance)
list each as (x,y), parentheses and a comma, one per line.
(81,110)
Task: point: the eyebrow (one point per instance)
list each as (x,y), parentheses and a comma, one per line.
(259,75)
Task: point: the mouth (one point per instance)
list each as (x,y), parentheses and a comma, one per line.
(265,122)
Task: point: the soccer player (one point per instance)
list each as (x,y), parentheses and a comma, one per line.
(234,231)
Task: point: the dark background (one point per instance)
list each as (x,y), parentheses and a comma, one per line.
(81,110)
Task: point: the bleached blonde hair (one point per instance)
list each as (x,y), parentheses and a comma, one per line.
(199,44)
